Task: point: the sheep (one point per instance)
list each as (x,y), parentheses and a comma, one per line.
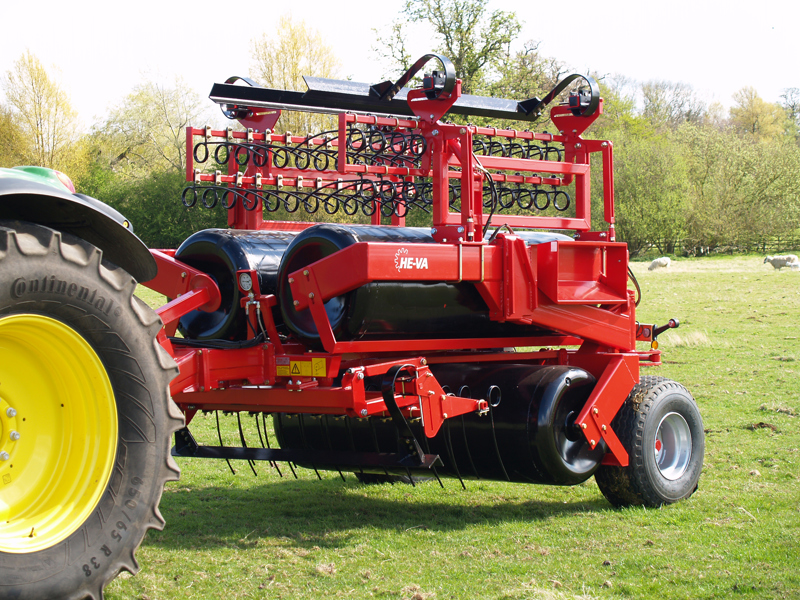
(778,262)
(659,262)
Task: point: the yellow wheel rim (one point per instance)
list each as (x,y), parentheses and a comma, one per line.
(58,432)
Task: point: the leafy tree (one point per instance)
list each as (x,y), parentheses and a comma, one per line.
(526,73)
(716,180)
(742,191)
(147,132)
(771,206)
(153,205)
(650,191)
(11,140)
(791,105)
(281,61)
(393,49)
(754,117)
(476,41)
(668,104)
(46,126)
(620,119)
(139,160)
(716,116)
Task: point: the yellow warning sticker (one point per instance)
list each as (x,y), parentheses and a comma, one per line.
(318,367)
(301,367)
(315,367)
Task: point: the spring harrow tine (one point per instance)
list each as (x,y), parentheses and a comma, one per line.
(305,443)
(280,422)
(371,146)
(375,439)
(352,442)
(465,392)
(410,477)
(219,435)
(244,443)
(367,195)
(494,432)
(449,443)
(328,438)
(265,437)
(466,445)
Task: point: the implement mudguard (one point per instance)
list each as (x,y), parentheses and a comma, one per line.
(87,218)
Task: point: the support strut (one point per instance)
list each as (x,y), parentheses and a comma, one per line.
(415,453)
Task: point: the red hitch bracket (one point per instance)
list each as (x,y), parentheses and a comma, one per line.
(618,377)
(189,288)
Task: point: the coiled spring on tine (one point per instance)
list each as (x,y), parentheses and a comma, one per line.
(365,144)
(372,145)
(368,196)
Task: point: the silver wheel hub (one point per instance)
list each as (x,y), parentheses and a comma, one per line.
(673,446)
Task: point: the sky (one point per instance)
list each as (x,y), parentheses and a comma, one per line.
(103,49)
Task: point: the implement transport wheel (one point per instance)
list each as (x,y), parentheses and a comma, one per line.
(85,417)
(660,427)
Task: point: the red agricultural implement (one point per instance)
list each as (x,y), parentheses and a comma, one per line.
(457,316)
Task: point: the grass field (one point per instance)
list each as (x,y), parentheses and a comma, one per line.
(737,351)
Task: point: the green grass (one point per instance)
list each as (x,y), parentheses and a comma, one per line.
(737,351)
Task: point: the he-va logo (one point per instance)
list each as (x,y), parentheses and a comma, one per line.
(402,261)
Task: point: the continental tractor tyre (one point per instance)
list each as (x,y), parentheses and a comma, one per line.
(661,428)
(85,417)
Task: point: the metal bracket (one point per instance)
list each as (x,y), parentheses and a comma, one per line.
(406,435)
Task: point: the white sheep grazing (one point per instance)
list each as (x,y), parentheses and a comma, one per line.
(778,262)
(659,262)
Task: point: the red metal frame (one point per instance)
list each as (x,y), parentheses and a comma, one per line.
(577,289)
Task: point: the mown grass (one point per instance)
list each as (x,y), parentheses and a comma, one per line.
(737,351)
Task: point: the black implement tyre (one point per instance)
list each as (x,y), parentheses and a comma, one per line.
(661,428)
(85,417)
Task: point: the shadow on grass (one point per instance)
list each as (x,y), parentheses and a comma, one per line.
(327,513)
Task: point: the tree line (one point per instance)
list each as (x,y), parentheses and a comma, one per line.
(690,177)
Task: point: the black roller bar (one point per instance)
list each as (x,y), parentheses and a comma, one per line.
(186,446)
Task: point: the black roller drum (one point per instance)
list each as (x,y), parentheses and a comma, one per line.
(221,253)
(390,310)
(529,436)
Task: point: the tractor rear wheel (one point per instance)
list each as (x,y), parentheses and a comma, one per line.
(661,428)
(85,417)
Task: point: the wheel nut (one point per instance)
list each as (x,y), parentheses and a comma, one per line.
(11,412)
(4,456)
(14,436)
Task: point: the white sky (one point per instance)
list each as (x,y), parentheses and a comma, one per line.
(103,48)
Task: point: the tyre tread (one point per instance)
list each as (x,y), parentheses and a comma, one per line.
(30,240)
(629,486)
